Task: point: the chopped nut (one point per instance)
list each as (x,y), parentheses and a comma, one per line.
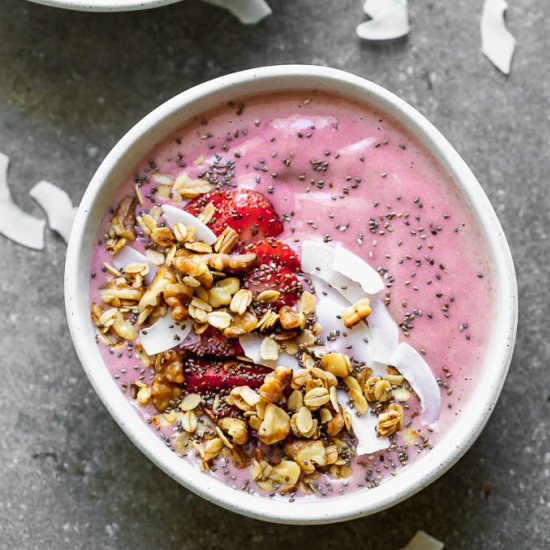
(212,449)
(188,188)
(376,389)
(325,415)
(275,425)
(269,350)
(356,395)
(302,423)
(285,475)
(300,377)
(152,297)
(241,325)
(168,375)
(390,421)
(295,401)
(317,397)
(124,329)
(268,296)
(219,319)
(234,263)
(124,219)
(226,241)
(275,383)
(163,236)
(144,395)
(336,424)
(222,292)
(356,312)
(336,363)
(177,297)
(235,428)
(307,454)
(306,304)
(291,319)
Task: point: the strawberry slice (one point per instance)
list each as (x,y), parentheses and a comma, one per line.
(213,376)
(272,276)
(275,250)
(213,342)
(246,211)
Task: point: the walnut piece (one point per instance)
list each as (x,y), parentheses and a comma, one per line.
(168,376)
(275,383)
(390,421)
(124,220)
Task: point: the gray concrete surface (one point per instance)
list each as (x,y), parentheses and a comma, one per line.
(71,84)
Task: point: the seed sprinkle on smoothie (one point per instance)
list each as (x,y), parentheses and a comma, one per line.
(285,290)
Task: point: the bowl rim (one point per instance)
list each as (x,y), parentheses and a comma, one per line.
(105,5)
(464,430)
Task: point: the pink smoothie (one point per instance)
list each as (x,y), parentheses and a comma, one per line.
(338,170)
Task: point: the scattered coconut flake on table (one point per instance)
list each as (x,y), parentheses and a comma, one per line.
(350,265)
(248,12)
(389,20)
(497,43)
(251,344)
(421,378)
(174,215)
(364,428)
(57,205)
(128,255)
(423,541)
(384,332)
(165,334)
(15,224)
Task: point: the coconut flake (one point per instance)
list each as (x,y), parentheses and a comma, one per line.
(174,215)
(419,375)
(128,255)
(423,541)
(251,344)
(350,265)
(299,122)
(57,205)
(15,224)
(389,20)
(384,332)
(318,259)
(248,12)
(165,334)
(497,43)
(364,428)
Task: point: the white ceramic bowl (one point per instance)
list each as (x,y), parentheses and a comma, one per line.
(161,123)
(105,5)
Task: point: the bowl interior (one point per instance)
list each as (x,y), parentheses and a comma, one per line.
(159,125)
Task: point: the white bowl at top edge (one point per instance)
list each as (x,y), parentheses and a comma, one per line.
(105,5)
(160,124)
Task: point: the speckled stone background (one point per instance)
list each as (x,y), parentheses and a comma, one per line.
(72,83)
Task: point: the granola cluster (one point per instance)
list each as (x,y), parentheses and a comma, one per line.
(286,425)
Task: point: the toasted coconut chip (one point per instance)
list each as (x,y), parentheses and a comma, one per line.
(251,344)
(58,207)
(384,332)
(421,378)
(15,224)
(164,335)
(364,428)
(174,215)
(390,20)
(350,265)
(318,260)
(497,43)
(423,541)
(128,255)
(248,12)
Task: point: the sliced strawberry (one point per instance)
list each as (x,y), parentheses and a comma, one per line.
(271,276)
(277,251)
(213,342)
(247,212)
(215,376)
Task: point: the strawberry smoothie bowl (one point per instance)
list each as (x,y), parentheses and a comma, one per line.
(292,294)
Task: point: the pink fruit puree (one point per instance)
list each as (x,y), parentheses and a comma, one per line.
(338,170)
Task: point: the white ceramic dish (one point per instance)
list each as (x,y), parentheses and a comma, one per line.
(161,123)
(105,5)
